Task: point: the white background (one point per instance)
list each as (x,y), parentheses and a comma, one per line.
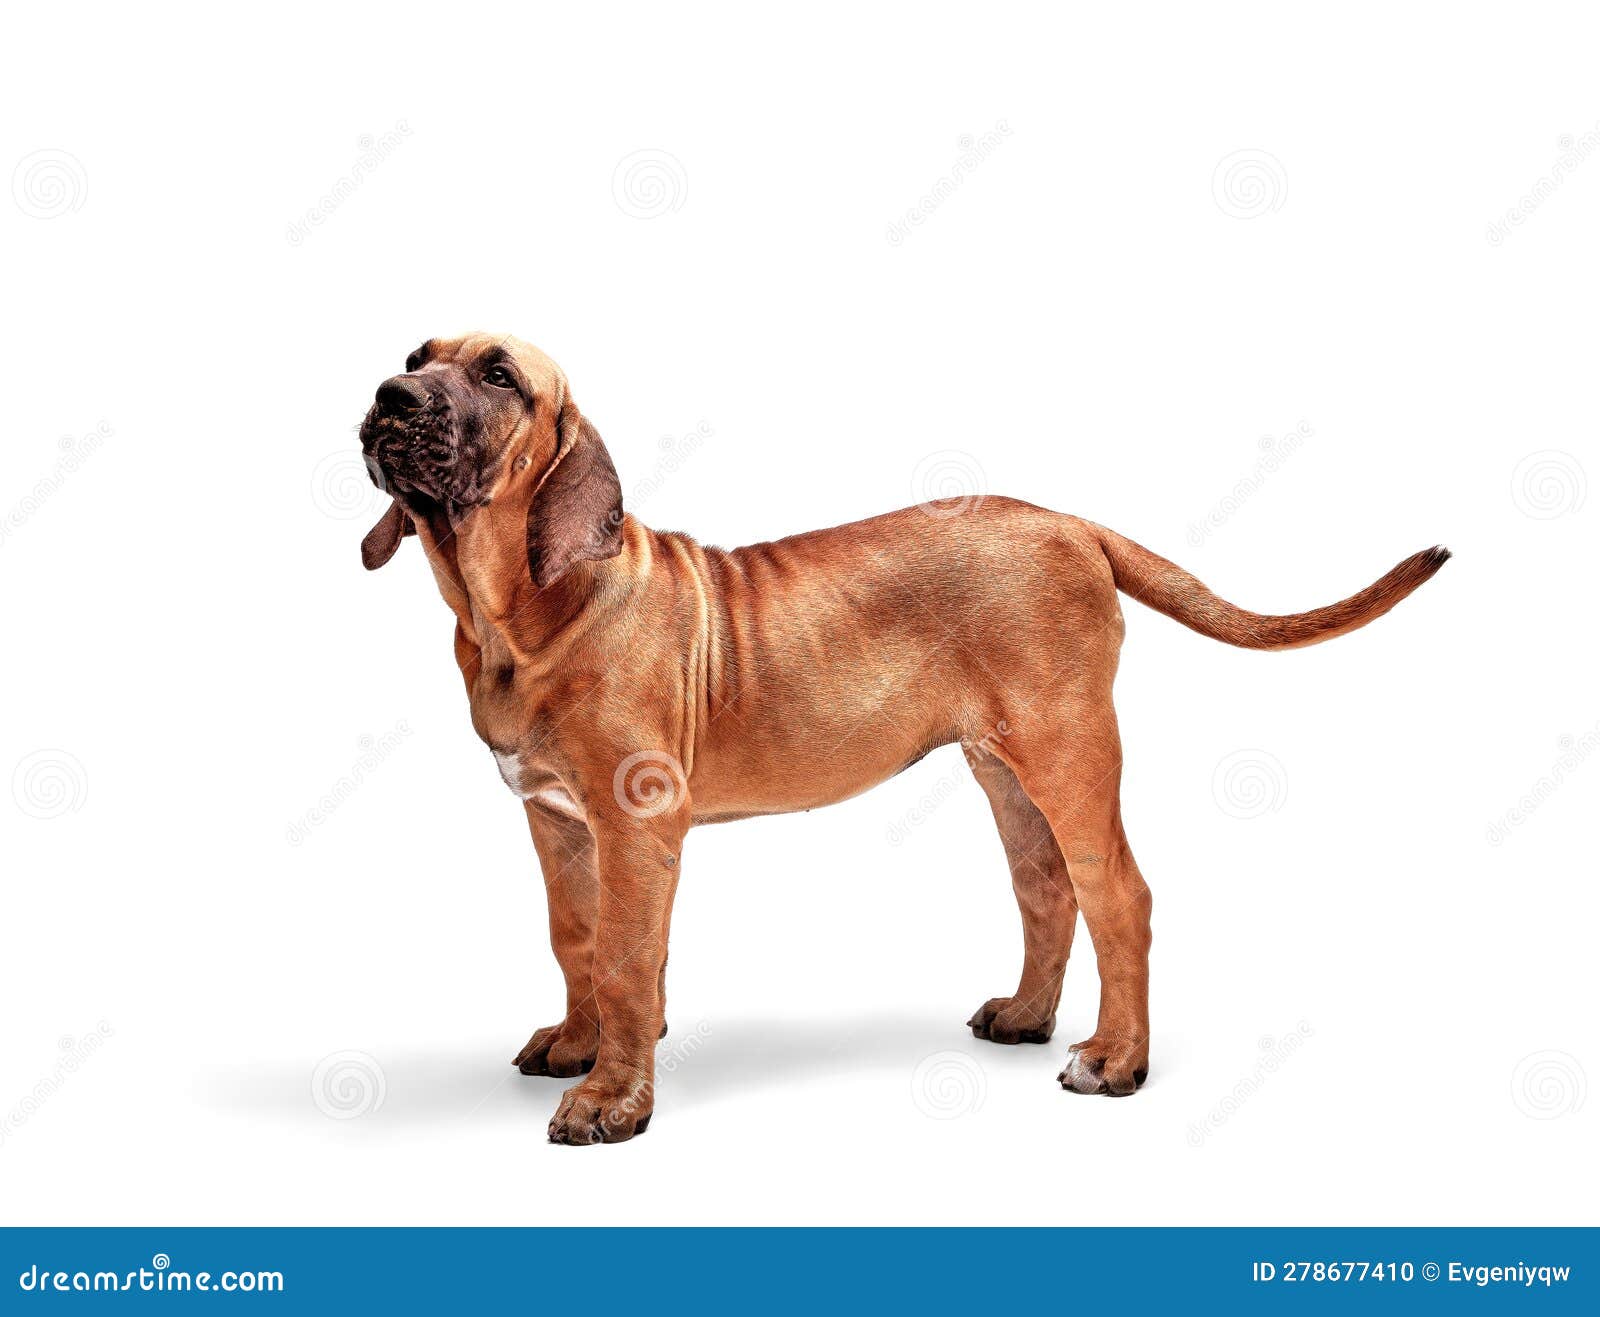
(1366,1007)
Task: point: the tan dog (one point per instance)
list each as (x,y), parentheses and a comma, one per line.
(632,684)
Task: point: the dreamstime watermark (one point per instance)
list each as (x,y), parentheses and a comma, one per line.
(374,151)
(75,451)
(974,750)
(1275,451)
(639,1101)
(49,784)
(348,1085)
(50,183)
(1250,783)
(1574,151)
(649,184)
(74,1053)
(674,451)
(1249,184)
(674,1051)
(948,483)
(1549,484)
(1575,750)
(157,1278)
(348,486)
(648,783)
(1549,1085)
(974,151)
(1275,1052)
(374,750)
(948,1085)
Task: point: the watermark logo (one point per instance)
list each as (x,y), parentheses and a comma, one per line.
(1574,751)
(374,750)
(1275,451)
(49,784)
(348,1085)
(948,1085)
(648,783)
(50,183)
(1548,1085)
(675,450)
(75,451)
(75,1052)
(975,750)
(373,152)
(1549,484)
(948,483)
(1275,1053)
(1249,184)
(649,184)
(159,1278)
(348,486)
(973,152)
(675,1051)
(1574,151)
(1250,783)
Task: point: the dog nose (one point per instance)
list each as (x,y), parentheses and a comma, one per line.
(401,396)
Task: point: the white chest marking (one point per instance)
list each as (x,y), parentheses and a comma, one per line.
(545,789)
(554,796)
(511,772)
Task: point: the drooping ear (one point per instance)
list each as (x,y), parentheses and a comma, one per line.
(576,512)
(383,539)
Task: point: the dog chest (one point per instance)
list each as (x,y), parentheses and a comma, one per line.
(538,785)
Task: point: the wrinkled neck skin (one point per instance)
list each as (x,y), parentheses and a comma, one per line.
(507,629)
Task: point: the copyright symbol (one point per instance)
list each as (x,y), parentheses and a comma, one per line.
(1430,1271)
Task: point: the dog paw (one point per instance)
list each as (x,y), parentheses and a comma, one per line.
(1004,1020)
(558,1051)
(1096,1067)
(592,1113)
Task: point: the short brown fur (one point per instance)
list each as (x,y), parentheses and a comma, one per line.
(780,677)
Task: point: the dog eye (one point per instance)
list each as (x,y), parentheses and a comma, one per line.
(498,376)
(413,361)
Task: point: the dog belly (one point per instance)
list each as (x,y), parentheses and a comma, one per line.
(761,783)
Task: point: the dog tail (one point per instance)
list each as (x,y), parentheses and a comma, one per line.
(1167,588)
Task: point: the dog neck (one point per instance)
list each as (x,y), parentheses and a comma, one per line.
(481,568)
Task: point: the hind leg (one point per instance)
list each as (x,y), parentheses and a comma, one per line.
(1073,770)
(1049,911)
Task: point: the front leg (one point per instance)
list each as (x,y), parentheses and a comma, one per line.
(567,858)
(638,852)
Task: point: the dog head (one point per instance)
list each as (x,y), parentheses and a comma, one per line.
(485,419)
